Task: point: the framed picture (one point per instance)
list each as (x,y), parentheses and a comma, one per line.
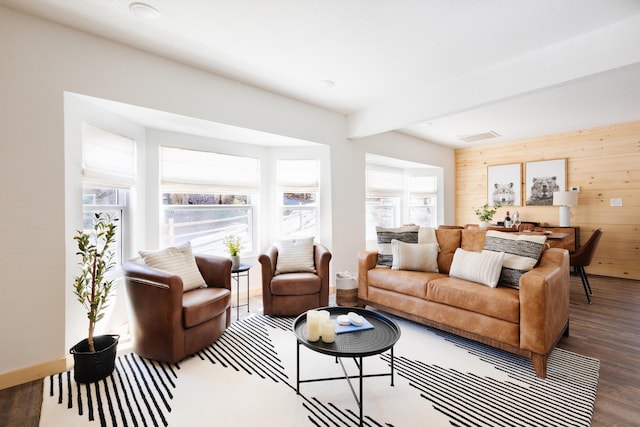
(542,179)
(504,185)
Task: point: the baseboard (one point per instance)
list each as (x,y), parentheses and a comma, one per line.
(31,373)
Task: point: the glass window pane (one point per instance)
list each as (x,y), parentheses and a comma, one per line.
(298,199)
(299,221)
(99,196)
(204,199)
(116,214)
(382,212)
(206,226)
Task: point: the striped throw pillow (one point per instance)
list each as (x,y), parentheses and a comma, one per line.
(481,267)
(406,234)
(521,253)
(414,256)
(295,255)
(177,260)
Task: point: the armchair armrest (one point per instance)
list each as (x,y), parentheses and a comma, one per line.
(322,256)
(141,273)
(216,270)
(268,262)
(544,301)
(366,261)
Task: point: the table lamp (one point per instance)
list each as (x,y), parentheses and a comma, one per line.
(564,199)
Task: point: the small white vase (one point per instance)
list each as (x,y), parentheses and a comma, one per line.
(235,262)
(484,224)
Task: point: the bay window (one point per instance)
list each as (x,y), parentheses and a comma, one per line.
(207,196)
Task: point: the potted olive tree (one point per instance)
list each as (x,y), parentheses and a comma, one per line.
(94,357)
(233,245)
(485,213)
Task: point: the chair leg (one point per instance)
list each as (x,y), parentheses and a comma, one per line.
(585,283)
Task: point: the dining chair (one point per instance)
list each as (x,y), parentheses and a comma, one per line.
(582,258)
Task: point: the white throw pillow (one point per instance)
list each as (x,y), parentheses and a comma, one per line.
(178,260)
(414,256)
(481,267)
(295,255)
(521,253)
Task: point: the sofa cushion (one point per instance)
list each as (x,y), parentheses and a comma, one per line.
(406,234)
(178,260)
(482,267)
(521,253)
(295,255)
(414,256)
(500,303)
(201,305)
(448,241)
(406,282)
(296,284)
(473,239)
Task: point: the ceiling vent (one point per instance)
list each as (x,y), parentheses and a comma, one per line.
(478,136)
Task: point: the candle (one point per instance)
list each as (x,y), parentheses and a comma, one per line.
(324,315)
(328,331)
(313,325)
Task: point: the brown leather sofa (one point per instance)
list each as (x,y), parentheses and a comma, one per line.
(528,322)
(289,294)
(169,324)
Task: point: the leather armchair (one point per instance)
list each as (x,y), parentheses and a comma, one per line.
(289,294)
(169,324)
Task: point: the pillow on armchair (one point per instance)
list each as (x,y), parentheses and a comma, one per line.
(295,255)
(178,260)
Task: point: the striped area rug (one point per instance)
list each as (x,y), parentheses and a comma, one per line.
(248,378)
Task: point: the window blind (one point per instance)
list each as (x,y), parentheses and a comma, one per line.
(422,186)
(107,159)
(192,171)
(298,176)
(384,182)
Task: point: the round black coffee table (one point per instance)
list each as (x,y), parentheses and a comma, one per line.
(356,345)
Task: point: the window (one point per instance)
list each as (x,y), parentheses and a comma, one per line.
(109,171)
(112,201)
(422,200)
(398,196)
(207,196)
(298,191)
(385,189)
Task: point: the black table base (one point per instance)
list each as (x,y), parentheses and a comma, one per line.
(351,345)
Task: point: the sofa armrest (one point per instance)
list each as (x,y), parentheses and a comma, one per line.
(544,301)
(366,261)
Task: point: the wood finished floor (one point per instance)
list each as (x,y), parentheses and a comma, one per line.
(608,330)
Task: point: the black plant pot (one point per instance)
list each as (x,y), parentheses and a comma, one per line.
(94,366)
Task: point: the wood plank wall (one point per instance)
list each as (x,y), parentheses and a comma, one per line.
(604,162)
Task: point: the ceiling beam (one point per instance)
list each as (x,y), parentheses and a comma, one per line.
(605,49)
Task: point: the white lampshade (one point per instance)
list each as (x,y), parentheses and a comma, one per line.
(564,199)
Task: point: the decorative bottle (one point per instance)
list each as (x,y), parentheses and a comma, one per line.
(507,221)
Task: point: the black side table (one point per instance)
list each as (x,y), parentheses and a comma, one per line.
(356,345)
(236,274)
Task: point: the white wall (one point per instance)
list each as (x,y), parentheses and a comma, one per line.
(40,62)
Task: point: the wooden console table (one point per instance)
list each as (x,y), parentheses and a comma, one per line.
(571,242)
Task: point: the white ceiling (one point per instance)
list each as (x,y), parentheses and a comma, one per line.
(435,69)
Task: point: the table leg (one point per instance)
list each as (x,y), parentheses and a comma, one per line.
(237,296)
(361,396)
(298,367)
(391,366)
